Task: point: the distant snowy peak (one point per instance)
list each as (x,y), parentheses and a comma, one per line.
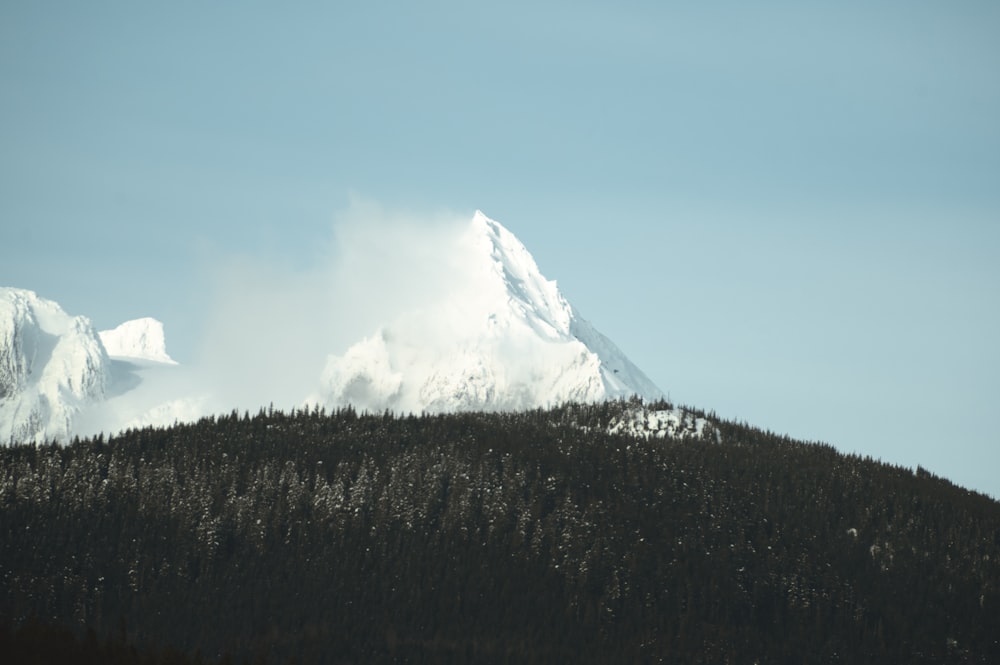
(141,339)
(51,366)
(501,337)
(532,296)
(60,378)
(487,331)
(539,301)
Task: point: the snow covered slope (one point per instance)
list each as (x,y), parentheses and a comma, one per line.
(59,378)
(501,337)
(490,333)
(140,338)
(52,365)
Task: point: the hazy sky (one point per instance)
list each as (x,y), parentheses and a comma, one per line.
(785,212)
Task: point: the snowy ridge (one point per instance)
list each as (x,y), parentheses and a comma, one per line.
(491,333)
(57,379)
(52,365)
(140,338)
(536,299)
(501,338)
(674,423)
(619,374)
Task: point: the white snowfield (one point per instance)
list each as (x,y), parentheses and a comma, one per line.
(496,336)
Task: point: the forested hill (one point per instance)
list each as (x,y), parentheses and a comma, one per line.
(511,537)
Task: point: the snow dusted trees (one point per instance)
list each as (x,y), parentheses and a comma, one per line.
(528,537)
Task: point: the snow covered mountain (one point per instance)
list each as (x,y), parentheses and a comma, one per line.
(501,337)
(52,365)
(492,334)
(147,386)
(141,339)
(60,378)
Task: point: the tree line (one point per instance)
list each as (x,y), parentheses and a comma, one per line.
(521,537)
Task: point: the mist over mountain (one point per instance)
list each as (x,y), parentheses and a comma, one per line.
(471,324)
(531,497)
(52,366)
(501,337)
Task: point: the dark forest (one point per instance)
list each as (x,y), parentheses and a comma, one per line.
(531,537)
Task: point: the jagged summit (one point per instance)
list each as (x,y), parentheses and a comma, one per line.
(501,336)
(60,378)
(140,339)
(487,331)
(52,365)
(520,280)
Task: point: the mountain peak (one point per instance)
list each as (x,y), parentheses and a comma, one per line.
(485,331)
(51,366)
(529,293)
(502,337)
(141,339)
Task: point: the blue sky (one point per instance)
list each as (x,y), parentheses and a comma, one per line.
(785,212)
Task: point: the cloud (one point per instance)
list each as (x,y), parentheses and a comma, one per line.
(273,323)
